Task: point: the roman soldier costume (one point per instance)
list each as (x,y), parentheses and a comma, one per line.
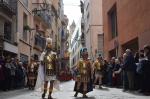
(32,75)
(48,69)
(98,71)
(83,82)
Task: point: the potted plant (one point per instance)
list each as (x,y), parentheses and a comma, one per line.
(26,28)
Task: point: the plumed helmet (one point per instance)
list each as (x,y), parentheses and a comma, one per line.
(83,51)
(48,41)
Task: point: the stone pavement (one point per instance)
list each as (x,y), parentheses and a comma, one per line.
(66,92)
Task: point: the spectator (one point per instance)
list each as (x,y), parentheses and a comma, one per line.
(139,71)
(24,75)
(117,73)
(19,75)
(125,79)
(7,74)
(130,68)
(104,80)
(145,64)
(110,71)
(2,75)
(147,51)
(136,57)
(12,72)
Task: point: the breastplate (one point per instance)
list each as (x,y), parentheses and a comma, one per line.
(83,68)
(49,64)
(97,66)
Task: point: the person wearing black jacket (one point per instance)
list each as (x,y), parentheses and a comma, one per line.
(130,67)
(145,64)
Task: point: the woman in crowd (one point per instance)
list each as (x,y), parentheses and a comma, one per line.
(110,70)
(117,74)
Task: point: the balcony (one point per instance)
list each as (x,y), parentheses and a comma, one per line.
(39,42)
(43,16)
(9,6)
(64,35)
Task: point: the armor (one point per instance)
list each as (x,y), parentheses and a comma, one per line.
(98,71)
(49,62)
(83,82)
(84,71)
(48,67)
(97,65)
(32,75)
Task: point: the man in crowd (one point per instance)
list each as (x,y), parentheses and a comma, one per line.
(129,67)
(145,64)
(2,73)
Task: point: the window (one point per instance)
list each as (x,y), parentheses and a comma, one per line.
(100,42)
(24,25)
(7,31)
(113,21)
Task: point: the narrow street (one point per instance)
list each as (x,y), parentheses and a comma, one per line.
(66,92)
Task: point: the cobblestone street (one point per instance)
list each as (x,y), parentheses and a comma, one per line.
(67,93)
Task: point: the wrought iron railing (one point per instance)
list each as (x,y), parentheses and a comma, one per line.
(39,42)
(45,17)
(4,1)
(10,5)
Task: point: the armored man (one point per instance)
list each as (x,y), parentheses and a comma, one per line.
(48,61)
(83,82)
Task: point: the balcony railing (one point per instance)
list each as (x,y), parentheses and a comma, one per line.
(4,1)
(39,42)
(9,5)
(44,16)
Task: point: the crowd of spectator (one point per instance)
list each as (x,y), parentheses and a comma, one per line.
(130,72)
(13,74)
